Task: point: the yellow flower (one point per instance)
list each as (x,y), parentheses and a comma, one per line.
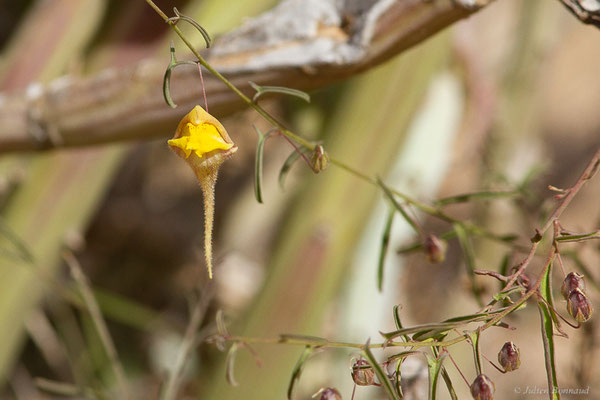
(204,144)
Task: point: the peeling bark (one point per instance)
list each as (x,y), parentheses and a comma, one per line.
(299,45)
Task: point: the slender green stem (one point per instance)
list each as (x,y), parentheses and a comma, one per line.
(428,209)
(329,344)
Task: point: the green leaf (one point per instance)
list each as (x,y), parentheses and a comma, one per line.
(579,237)
(258,161)
(402,355)
(547,326)
(298,370)
(462,198)
(448,382)
(467,249)
(167,77)
(194,23)
(382,376)
(444,326)
(260,90)
(446,376)
(287,337)
(398,381)
(505,293)
(474,336)
(385,241)
(388,193)
(435,366)
(398,374)
(287,165)
(398,322)
(229,364)
(258,164)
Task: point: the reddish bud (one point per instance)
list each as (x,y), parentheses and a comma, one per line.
(329,394)
(362,373)
(572,281)
(435,248)
(509,357)
(578,305)
(483,388)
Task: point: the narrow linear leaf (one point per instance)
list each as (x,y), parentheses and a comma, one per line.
(260,90)
(258,164)
(287,165)
(402,355)
(229,364)
(385,241)
(444,326)
(446,376)
(285,337)
(167,88)
(194,23)
(547,327)
(549,351)
(462,198)
(435,366)
(388,193)
(449,385)
(382,376)
(504,294)
(398,322)
(167,77)
(398,381)
(579,237)
(467,249)
(298,371)
(474,336)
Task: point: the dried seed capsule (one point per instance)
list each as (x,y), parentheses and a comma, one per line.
(329,394)
(578,305)
(435,248)
(483,388)
(362,373)
(573,280)
(509,357)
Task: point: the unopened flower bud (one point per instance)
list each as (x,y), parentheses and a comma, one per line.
(435,248)
(483,388)
(329,394)
(579,306)
(572,281)
(319,159)
(362,373)
(509,357)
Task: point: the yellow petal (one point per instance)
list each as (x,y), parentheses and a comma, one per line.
(182,144)
(201,139)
